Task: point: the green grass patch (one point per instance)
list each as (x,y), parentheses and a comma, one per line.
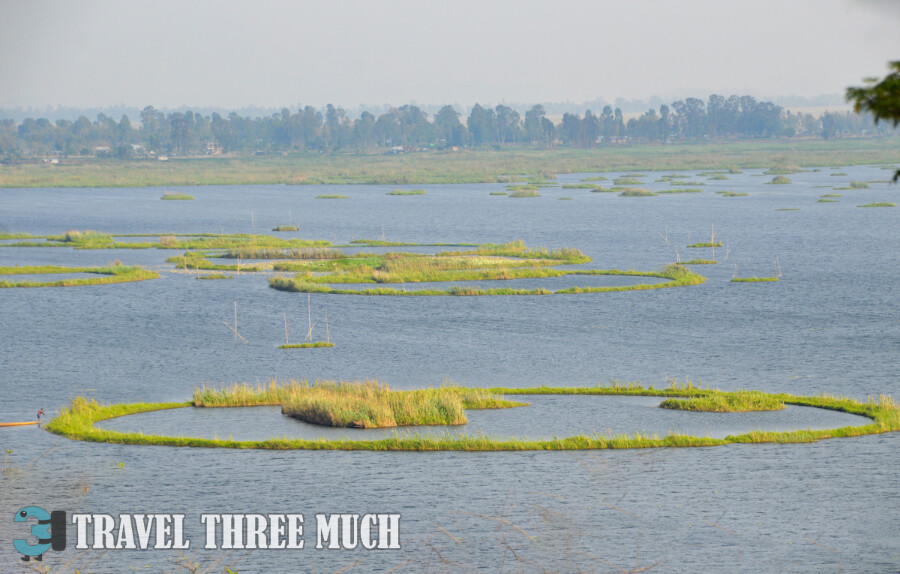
(407,192)
(731,402)
(175,195)
(637,192)
(783,170)
(788,209)
(779,180)
(115,273)
(825,200)
(564,198)
(314,345)
(595,178)
(700,262)
(838,173)
(832,195)
(285,228)
(731,194)
(525,193)
(332,196)
(718,177)
(706,244)
(627,180)
(333,405)
(879,204)
(676,183)
(859,185)
(498,193)
(214,276)
(580,186)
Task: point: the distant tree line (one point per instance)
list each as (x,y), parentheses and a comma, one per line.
(330,129)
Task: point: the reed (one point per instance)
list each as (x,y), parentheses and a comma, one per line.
(214,276)
(783,170)
(707,244)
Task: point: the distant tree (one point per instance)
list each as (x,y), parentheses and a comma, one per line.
(533,123)
(481,124)
(881,99)
(448,126)
(364,130)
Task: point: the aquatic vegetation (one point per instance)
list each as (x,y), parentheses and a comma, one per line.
(406,192)
(580,186)
(564,198)
(731,194)
(525,193)
(285,228)
(498,193)
(832,195)
(826,200)
(700,262)
(595,178)
(332,196)
(314,345)
(838,173)
(77,421)
(732,402)
(879,204)
(779,180)
(601,189)
(783,170)
(859,185)
(176,195)
(116,273)
(788,209)
(686,183)
(214,276)
(718,177)
(627,180)
(707,244)
(281,253)
(637,192)
(754,279)
(524,187)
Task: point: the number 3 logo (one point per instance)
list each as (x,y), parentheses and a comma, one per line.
(50,532)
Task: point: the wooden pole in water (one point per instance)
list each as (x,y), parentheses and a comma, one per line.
(286,341)
(327,330)
(235,322)
(309,318)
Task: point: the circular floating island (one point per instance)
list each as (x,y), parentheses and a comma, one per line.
(371,405)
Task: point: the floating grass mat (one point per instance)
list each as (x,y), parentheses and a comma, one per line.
(110,274)
(595,178)
(783,170)
(879,204)
(627,180)
(678,276)
(788,209)
(686,183)
(754,279)
(719,402)
(580,186)
(315,345)
(700,262)
(334,405)
(838,173)
(564,198)
(707,244)
(90,239)
(332,196)
(832,195)
(731,194)
(718,177)
(383,243)
(285,228)
(525,193)
(637,192)
(779,180)
(406,192)
(214,276)
(173,195)
(279,253)
(498,193)
(824,200)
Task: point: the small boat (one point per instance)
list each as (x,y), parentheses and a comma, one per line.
(18,424)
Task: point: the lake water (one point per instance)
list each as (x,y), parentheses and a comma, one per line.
(831,325)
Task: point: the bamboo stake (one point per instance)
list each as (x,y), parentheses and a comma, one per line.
(235,323)
(236,334)
(309,319)
(735,271)
(286,340)
(327,330)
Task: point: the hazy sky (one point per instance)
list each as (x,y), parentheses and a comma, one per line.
(280,53)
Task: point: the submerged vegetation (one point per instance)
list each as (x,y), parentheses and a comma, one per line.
(115,273)
(407,192)
(369,403)
(681,190)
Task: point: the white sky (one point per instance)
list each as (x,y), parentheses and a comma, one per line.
(280,53)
